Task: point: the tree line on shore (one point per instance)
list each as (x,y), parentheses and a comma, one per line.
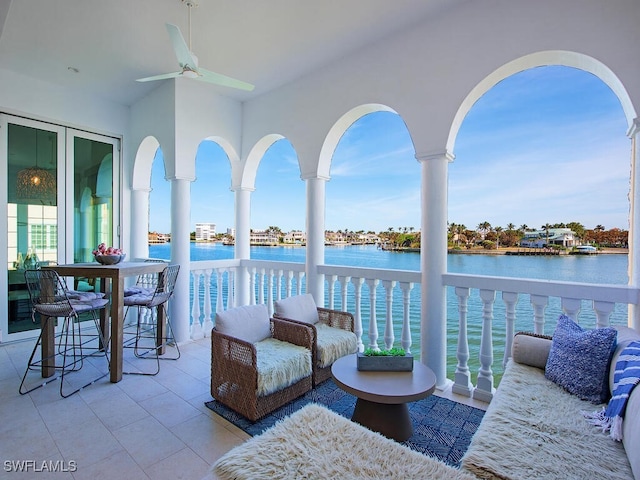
(483,235)
(489,236)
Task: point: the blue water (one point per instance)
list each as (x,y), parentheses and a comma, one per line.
(602,268)
(571,268)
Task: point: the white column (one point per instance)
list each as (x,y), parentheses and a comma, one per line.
(634,221)
(180,250)
(242,249)
(139,224)
(433,263)
(315,237)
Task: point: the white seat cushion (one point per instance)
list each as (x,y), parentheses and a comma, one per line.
(334,343)
(250,323)
(299,307)
(280,364)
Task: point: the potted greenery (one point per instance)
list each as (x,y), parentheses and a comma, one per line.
(391,360)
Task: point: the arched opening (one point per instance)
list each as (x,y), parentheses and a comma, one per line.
(544,149)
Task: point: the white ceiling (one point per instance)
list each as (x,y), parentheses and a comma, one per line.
(265,42)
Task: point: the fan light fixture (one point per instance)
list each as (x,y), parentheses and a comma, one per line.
(36,183)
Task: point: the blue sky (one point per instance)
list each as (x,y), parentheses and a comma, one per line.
(546,145)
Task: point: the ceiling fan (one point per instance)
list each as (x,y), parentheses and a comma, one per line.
(189,62)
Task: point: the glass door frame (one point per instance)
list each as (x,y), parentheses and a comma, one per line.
(64,201)
(5,120)
(72,134)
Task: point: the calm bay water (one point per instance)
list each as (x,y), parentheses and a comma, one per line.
(572,268)
(602,268)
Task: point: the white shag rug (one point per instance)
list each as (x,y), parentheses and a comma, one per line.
(533,428)
(316,443)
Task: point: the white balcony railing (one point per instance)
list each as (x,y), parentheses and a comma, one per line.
(483,312)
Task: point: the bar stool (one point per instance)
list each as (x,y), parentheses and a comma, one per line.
(51,299)
(148,298)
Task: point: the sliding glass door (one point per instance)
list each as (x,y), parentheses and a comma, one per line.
(61,196)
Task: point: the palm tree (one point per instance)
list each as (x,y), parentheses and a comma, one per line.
(546,228)
(498,231)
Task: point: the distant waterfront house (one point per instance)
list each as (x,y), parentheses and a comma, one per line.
(369,238)
(262,237)
(296,237)
(205,232)
(155,237)
(554,236)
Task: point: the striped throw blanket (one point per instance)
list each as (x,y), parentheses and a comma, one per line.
(625,378)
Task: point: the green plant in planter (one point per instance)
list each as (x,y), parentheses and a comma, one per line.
(392,352)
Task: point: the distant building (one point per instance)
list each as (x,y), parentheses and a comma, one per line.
(231,232)
(205,232)
(155,238)
(262,237)
(295,236)
(556,236)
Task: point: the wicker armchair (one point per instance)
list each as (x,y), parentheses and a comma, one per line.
(321,337)
(235,370)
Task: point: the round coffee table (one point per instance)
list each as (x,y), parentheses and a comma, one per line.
(383,396)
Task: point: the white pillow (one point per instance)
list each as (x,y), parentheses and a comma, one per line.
(299,307)
(250,323)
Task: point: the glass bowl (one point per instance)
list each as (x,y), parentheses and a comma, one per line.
(109,259)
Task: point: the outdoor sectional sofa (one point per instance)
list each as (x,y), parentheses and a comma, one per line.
(533,428)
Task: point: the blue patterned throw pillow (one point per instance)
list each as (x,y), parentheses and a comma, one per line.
(579,359)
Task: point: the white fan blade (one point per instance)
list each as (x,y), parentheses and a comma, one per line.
(219,79)
(160,77)
(183,54)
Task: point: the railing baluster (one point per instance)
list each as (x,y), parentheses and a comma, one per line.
(510,300)
(332,288)
(603,313)
(484,388)
(289,283)
(261,286)
(344,288)
(219,290)
(207,323)
(299,283)
(270,292)
(462,380)
(252,286)
(571,306)
(539,304)
(357,283)
(373,322)
(196,329)
(231,299)
(389,337)
(406,316)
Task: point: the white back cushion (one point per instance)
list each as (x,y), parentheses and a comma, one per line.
(249,323)
(299,307)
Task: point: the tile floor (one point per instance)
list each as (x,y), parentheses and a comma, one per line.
(140,428)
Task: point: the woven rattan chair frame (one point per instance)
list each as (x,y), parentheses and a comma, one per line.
(50,300)
(163,286)
(234,374)
(332,318)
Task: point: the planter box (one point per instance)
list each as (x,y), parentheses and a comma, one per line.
(385,363)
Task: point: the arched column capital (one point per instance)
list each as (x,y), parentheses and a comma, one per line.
(427,156)
(314,176)
(634,129)
(177,177)
(242,188)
